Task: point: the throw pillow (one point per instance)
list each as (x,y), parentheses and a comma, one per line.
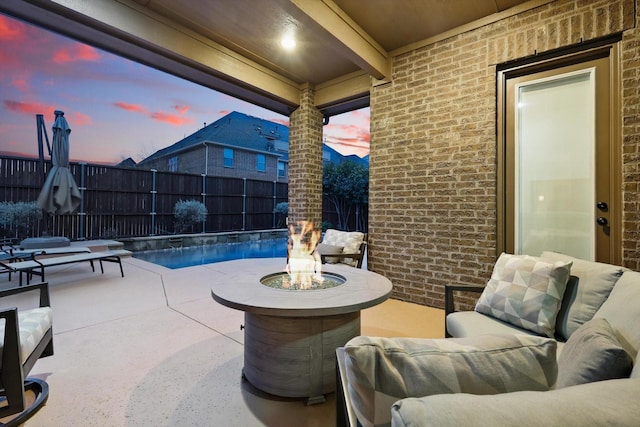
(325,249)
(381,371)
(588,287)
(592,353)
(526,292)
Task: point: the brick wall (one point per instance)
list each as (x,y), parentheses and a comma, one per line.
(433,157)
(305,161)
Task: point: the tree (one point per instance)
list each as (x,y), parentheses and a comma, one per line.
(346,185)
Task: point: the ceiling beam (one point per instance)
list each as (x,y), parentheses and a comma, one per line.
(355,44)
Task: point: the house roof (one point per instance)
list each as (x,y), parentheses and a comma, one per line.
(235,130)
(239,130)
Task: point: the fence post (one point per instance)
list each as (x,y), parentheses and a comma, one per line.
(82,214)
(244,203)
(153,202)
(275,192)
(204,201)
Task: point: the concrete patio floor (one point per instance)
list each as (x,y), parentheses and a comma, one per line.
(154,349)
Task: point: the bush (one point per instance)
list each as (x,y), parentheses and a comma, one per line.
(281,210)
(188,214)
(19,218)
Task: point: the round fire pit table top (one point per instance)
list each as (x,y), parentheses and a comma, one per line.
(236,284)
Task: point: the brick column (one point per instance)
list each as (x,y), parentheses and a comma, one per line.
(305,161)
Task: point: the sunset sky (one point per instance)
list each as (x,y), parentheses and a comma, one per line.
(116,108)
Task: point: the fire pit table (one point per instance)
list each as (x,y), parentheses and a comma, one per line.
(291,335)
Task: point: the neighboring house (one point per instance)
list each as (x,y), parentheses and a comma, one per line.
(237,146)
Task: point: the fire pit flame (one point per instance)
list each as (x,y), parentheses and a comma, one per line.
(304,265)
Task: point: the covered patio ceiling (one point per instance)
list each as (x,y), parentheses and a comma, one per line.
(233,46)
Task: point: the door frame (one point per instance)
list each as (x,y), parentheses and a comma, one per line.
(604,48)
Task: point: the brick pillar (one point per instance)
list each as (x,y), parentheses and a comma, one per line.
(305,161)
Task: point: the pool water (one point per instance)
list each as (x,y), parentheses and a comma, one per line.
(198,255)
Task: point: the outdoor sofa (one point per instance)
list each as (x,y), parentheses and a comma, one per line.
(552,341)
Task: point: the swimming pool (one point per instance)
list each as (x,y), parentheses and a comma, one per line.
(198,255)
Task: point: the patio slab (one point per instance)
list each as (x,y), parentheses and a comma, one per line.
(154,349)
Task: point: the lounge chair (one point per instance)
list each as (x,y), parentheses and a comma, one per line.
(26,336)
(36,266)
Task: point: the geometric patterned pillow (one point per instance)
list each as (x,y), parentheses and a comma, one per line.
(525,291)
(381,371)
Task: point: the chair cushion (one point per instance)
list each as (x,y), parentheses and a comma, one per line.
(33,324)
(349,240)
(588,287)
(592,353)
(381,371)
(526,292)
(326,249)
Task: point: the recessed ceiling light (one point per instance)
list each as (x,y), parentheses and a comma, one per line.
(288,42)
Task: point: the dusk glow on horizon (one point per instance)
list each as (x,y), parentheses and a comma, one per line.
(117,108)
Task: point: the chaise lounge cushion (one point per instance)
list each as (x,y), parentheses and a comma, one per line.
(526,292)
(587,289)
(592,353)
(381,371)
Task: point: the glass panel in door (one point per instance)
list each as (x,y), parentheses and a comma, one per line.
(555,165)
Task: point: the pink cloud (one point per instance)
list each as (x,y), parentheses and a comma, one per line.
(11,30)
(172,119)
(81,119)
(181,109)
(28,108)
(130,107)
(74,53)
(21,84)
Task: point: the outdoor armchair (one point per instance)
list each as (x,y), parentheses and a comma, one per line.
(346,247)
(26,336)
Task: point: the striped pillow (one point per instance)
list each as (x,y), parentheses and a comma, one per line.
(381,371)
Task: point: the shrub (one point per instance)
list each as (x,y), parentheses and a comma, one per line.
(189,213)
(281,210)
(19,218)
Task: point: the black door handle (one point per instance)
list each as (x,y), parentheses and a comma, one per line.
(602,221)
(602,206)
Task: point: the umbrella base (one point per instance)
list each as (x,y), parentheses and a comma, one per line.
(44,242)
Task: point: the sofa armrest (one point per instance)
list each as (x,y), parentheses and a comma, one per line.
(449,303)
(603,403)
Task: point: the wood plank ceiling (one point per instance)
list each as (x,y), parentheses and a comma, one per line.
(233,46)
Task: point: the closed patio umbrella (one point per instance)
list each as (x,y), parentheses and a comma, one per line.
(59,194)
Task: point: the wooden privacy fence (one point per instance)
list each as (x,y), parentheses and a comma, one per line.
(123,202)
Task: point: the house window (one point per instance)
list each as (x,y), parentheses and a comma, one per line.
(228,158)
(281,169)
(173,164)
(261,163)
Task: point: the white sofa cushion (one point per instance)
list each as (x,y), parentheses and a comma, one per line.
(380,371)
(622,311)
(605,403)
(587,289)
(526,292)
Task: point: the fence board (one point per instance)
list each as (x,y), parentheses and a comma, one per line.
(125,202)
